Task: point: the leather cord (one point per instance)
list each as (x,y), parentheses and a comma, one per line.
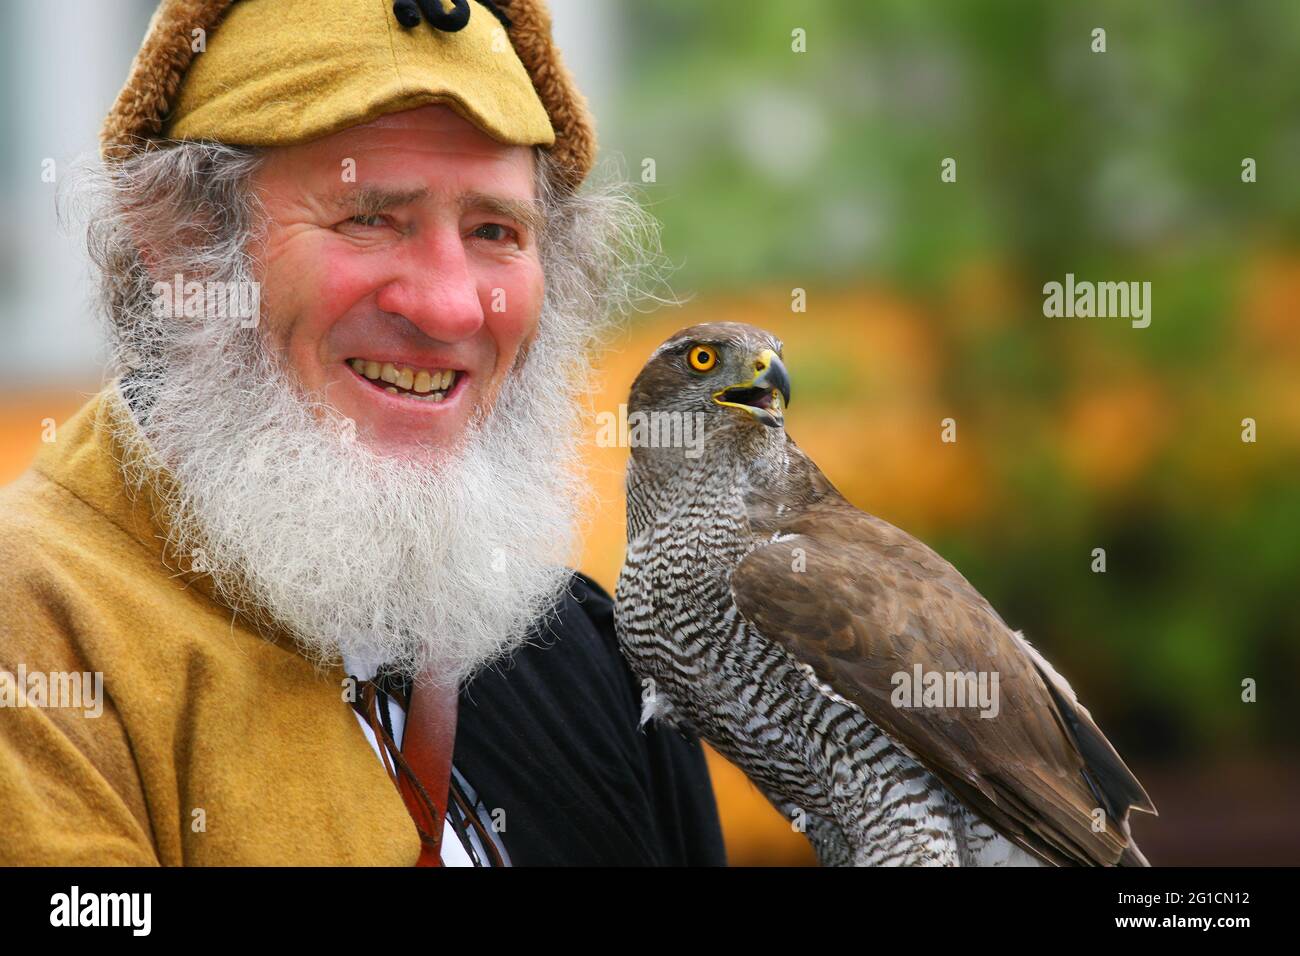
(421,767)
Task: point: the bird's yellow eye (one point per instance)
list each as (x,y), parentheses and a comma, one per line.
(702,358)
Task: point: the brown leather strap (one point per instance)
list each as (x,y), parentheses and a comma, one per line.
(467,823)
(428,743)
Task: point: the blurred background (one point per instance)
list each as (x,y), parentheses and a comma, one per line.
(775,170)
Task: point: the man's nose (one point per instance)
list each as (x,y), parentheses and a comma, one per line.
(434,288)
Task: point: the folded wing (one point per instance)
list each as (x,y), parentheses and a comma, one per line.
(860,601)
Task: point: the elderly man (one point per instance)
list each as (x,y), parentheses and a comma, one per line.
(311,538)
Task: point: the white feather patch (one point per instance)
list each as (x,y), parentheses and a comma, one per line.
(653,704)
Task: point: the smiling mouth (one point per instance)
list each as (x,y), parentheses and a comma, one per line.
(422,384)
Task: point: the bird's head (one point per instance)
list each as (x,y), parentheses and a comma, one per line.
(722,375)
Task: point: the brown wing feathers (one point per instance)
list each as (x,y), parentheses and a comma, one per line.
(873,601)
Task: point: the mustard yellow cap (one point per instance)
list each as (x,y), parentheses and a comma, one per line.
(279,72)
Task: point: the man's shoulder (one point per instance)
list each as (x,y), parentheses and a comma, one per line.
(579,644)
(69,574)
(585,596)
(44,576)
(24,502)
(574,642)
(39,525)
(49,534)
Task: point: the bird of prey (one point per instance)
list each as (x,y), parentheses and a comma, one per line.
(842,664)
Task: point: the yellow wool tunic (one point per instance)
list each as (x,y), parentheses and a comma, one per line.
(215,745)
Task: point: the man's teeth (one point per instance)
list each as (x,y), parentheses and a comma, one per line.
(431,384)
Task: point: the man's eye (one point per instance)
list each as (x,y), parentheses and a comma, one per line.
(367,220)
(494,231)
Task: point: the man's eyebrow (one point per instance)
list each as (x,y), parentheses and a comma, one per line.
(373,200)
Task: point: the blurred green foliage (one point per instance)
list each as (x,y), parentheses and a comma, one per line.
(821,170)
(825,163)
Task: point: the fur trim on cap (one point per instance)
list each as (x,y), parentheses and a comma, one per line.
(138,114)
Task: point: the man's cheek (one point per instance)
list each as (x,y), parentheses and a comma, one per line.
(339,278)
(513,313)
(316,295)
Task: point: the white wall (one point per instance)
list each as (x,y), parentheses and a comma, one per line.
(64,63)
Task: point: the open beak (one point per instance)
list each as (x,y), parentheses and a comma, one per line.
(765,395)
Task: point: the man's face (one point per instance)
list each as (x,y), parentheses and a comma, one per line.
(423,263)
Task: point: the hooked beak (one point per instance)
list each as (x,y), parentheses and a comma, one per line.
(765,395)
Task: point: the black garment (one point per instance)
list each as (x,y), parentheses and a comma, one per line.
(551,738)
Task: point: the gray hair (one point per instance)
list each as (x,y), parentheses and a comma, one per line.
(187,208)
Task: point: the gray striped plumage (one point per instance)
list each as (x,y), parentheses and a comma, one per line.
(782,672)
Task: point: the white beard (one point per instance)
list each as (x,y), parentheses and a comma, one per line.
(431,567)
